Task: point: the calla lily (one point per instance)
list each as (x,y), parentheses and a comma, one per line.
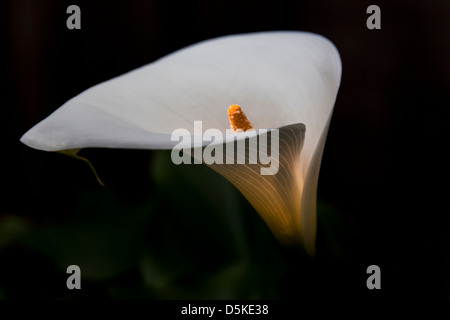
(286,80)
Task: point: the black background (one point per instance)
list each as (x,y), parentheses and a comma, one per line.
(382,169)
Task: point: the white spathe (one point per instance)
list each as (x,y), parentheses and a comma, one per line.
(279,78)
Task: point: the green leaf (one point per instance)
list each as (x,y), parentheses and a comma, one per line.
(11,229)
(104,239)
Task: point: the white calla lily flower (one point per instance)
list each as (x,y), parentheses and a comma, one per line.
(287,80)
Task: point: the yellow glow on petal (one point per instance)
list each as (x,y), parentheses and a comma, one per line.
(277,198)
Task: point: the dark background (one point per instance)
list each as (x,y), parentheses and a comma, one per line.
(382,192)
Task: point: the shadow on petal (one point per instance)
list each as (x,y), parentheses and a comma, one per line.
(277,198)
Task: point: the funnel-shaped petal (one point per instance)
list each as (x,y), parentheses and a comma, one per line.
(280,78)
(276,197)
